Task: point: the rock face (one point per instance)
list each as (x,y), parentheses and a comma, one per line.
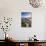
(35,3)
(26,22)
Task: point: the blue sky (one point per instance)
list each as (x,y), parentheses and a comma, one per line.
(25,13)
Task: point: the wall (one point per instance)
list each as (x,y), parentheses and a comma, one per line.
(45,28)
(13,8)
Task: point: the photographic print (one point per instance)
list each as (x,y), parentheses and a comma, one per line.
(26,19)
